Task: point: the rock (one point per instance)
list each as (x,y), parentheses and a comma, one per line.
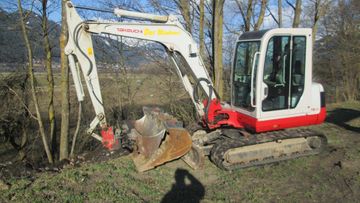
(338,164)
(3,185)
(55,169)
(81,158)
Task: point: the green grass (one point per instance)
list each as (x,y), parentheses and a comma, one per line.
(309,179)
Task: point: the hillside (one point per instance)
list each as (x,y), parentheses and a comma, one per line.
(107,49)
(11,41)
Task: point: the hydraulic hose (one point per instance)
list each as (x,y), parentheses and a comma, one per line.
(76,38)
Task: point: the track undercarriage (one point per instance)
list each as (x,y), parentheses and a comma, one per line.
(231,149)
(158,138)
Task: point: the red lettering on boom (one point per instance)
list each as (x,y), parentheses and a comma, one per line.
(129,30)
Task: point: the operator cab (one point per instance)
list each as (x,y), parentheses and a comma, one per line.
(272,78)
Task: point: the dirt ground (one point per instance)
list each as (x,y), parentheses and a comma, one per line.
(98,176)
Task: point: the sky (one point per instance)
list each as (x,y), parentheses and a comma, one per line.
(54,6)
(232,15)
(231,11)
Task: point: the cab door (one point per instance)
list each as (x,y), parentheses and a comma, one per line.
(283,77)
(244,74)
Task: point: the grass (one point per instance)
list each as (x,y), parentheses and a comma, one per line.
(309,179)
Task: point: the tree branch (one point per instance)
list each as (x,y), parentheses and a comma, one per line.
(290,4)
(22,102)
(241,10)
(272,15)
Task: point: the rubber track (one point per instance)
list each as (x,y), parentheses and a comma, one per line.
(224,144)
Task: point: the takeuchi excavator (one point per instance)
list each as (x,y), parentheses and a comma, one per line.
(272,95)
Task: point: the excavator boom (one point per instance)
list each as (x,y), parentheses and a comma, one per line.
(155,141)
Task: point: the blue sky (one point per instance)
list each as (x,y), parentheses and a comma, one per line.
(232,15)
(55,9)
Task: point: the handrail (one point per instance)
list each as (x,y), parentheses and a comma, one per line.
(284,67)
(252,79)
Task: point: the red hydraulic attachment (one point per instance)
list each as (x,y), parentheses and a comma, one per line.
(217,116)
(108,138)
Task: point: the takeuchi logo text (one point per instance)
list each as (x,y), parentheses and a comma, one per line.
(129,30)
(149,32)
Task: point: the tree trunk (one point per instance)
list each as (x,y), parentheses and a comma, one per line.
(314,31)
(184,6)
(249,13)
(280,13)
(217,28)
(201,29)
(24,139)
(297,14)
(50,77)
(261,15)
(32,84)
(320,9)
(65,106)
(76,131)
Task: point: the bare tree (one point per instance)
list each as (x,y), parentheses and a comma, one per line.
(279,21)
(32,84)
(260,19)
(248,14)
(217,33)
(65,106)
(50,77)
(184,7)
(320,8)
(297,12)
(201,29)
(15,113)
(337,52)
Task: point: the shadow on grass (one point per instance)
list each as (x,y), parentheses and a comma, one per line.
(340,116)
(194,191)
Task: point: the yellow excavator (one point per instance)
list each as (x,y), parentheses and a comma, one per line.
(272,95)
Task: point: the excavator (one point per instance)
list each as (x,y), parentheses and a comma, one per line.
(272,95)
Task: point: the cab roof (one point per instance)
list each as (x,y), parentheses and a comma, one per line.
(253,35)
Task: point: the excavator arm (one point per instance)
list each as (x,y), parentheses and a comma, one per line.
(155,143)
(166,30)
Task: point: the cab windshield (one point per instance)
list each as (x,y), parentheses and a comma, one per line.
(242,71)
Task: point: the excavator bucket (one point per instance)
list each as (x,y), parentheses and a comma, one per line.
(159,138)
